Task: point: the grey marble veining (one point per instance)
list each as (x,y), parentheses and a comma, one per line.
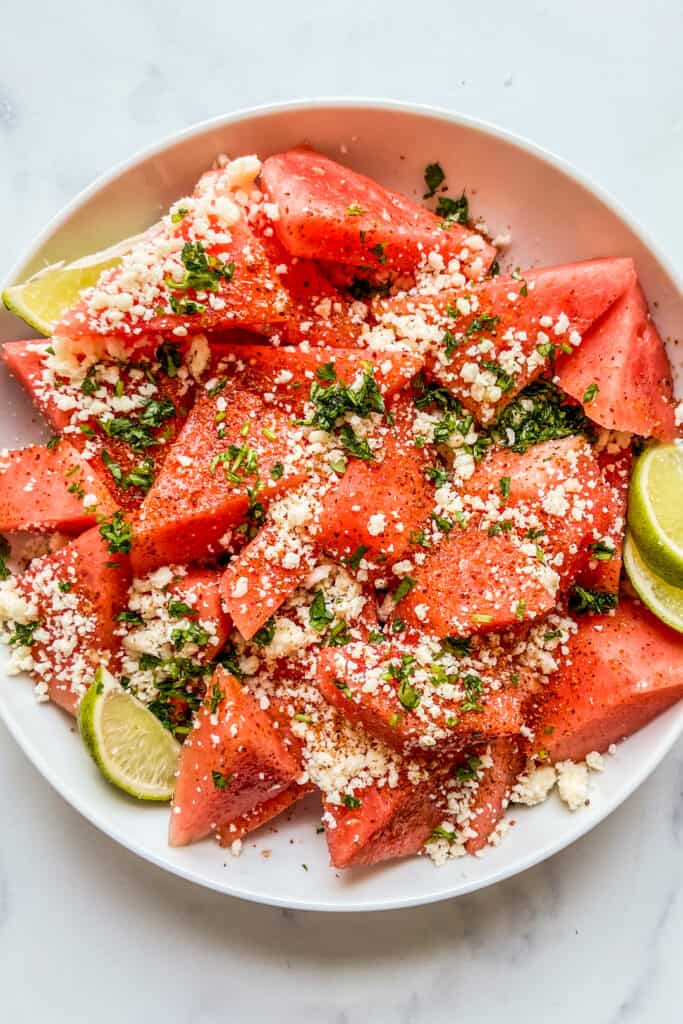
(88,932)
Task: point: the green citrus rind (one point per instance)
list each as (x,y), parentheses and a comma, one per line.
(663,600)
(655,510)
(130,746)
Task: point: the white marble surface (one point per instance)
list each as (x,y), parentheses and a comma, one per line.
(87,932)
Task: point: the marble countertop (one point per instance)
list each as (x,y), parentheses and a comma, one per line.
(88,932)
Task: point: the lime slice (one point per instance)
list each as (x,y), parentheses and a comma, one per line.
(131,746)
(655,510)
(42,299)
(661,598)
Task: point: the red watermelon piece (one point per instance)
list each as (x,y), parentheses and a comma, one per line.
(378,505)
(390,822)
(477,579)
(222,276)
(77,619)
(286,374)
(199,588)
(260,578)
(621,372)
(603,572)
(319,314)
(357,680)
(194,497)
(329,212)
(44,489)
(499,335)
(112,458)
(261,814)
(622,671)
(232,762)
(491,797)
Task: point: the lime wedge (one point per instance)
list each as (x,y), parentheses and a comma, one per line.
(42,299)
(131,747)
(655,510)
(665,601)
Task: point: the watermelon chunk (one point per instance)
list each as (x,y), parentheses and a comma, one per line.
(318,314)
(77,592)
(357,679)
(499,335)
(256,582)
(200,589)
(25,361)
(261,814)
(604,572)
(194,498)
(44,489)
(489,801)
(390,822)
(378,505)
(329,212)
(232,762)
(287,374)
(623,669)
(621,371)
(218,272)
(125,467)
(484,577)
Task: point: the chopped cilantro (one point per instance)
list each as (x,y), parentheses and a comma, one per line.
(326,372)
(352,802)
(118,534)
(23,635)
(434,177)
(596,602)
(403,589)
(453,211)
(602,551)
(170,358)
(468,771)
(192,634)
(178,609)
(354,560)
(265,634)
(318,615)
(220,780)
(590,392)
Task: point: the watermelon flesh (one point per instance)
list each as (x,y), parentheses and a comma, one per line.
(390,822)
(319,314)
(78,628)
(624,358)
(499,335)
(437,726)
(477,581)
(603,573)
(110,457)
(488,803)
(199,588)
(127,299)
(329,212)
(232,762)
(623,670)
(44,489)
(193,497)
(286,374)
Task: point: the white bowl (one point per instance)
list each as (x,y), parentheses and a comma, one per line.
(554,215)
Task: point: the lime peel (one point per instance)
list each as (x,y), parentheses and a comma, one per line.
(663,600)
(655,512)
(129,744)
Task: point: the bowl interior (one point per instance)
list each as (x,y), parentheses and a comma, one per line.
(552,217)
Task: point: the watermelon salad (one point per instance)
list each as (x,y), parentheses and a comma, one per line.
(342,503)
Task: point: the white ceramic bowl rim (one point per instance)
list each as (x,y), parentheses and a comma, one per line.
(36,754)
